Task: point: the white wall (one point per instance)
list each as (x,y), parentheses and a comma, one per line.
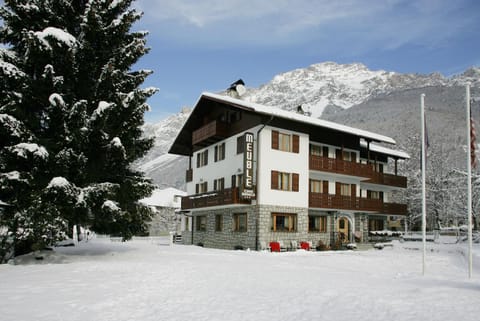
(270,159)
(224,168)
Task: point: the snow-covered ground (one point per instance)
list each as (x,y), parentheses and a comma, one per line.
(101,280)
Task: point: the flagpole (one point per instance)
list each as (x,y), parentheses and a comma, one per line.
(469,182)
(424,202)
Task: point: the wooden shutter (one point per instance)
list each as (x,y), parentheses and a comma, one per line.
(380,168)
(274,139)
(215,157)
(234,181)
(295,178)
(274,180)
(337,188)
(215,184)
(223,151)
(296,143)
(354,157)
(381,196)
(353,191)
(325,187)
(198,160)
(196,188)
(206,157)
(338,154)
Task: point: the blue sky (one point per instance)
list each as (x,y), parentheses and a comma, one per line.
(204,45)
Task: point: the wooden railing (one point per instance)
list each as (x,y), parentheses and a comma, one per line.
(338,166)
(214,129)
(321,200)
(214,198)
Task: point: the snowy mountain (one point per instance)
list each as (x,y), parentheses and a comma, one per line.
(329,90)
(333,85)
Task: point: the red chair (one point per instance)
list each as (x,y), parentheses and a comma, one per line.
(305,246)
(274,246)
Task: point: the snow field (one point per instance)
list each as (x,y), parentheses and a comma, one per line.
(137,280)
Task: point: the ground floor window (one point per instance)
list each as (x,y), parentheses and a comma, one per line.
(218,223)
(375,225)
(201,223)
(240,222)
(317,223)
(284,222)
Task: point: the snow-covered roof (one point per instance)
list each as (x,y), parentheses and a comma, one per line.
(386,151)
(164,198)
(277,112)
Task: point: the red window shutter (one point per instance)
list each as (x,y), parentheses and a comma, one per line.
(337,188)
(274,180)
(295,178)
(296,143)
(215,157)
(274,139)
(353,190)
(325,187)
(354,157)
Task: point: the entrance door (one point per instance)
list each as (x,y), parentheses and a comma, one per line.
(343,229)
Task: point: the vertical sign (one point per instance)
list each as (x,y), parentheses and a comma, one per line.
(248,190)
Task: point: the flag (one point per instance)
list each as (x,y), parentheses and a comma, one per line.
(473,137)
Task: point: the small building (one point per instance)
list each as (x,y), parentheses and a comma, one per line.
(258,174)
(165,204)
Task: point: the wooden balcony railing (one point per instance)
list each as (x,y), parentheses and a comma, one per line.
(337,166)
(388,179)
(214,198)
(321,200)
(212,131)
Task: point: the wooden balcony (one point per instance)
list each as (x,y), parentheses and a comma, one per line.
(337,166)
(210,133)
(321,200)
(215,198)
(388,179)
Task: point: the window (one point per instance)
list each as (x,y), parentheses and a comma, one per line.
(201,223)
(317,223)
(373,195)
(201,188)
(240,222)
(218,223)
(202,158)
(219,184)
(285,181)
(345,190)
(285,142)
(283,222)
(219,152)
(375,224)
(316,186)
(240,144)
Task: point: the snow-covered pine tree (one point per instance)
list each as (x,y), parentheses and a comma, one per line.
(71,111)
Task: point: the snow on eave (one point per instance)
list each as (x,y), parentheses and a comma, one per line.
(277,112)
(386,151)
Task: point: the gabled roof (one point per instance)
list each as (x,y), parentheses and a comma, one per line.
(182,143)
(277,112)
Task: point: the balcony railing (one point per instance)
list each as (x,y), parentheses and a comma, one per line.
(338,166)
(388,179)
(209,133)
(321,200)
(215,198)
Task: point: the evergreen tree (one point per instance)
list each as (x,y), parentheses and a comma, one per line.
(71,111)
